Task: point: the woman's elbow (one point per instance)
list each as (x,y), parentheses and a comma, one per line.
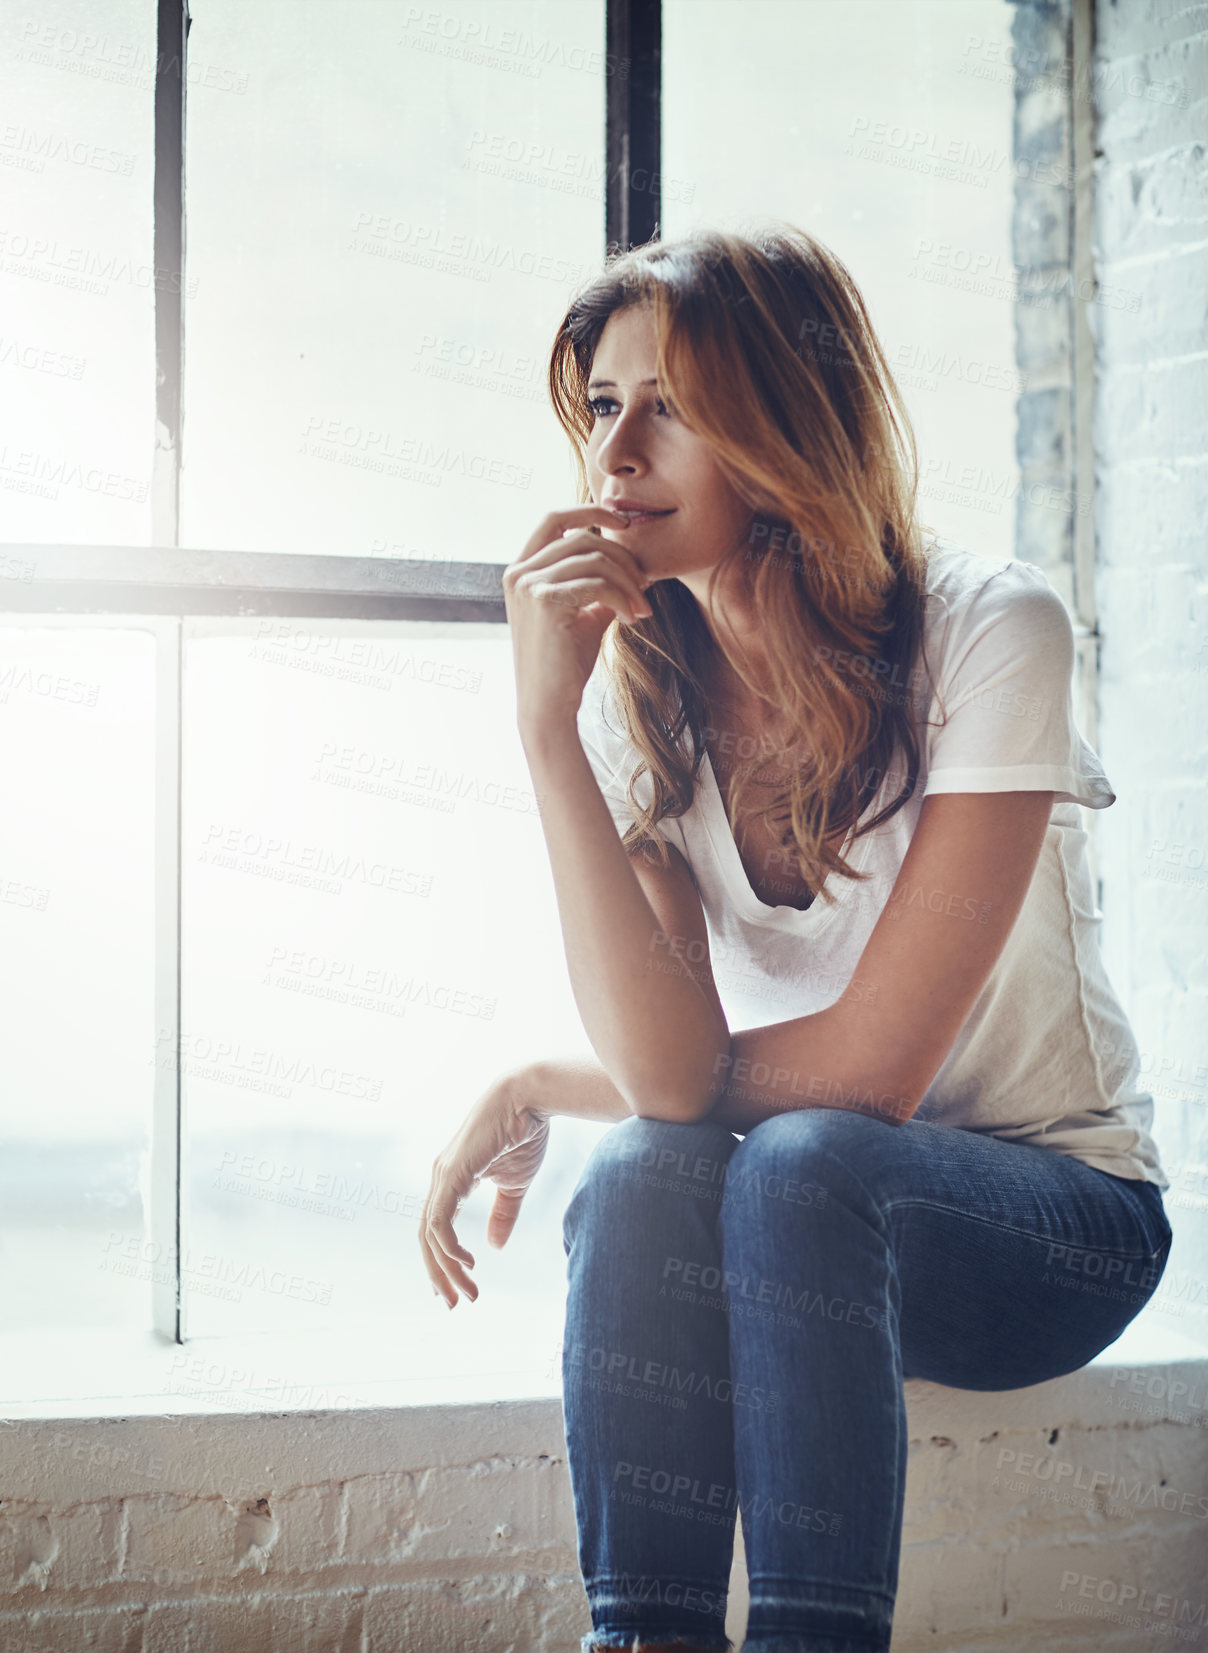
(685,1104)
(685,1094)
(667,1106)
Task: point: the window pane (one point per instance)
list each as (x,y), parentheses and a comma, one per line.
(77,277)
(370,939)
(380,265)
(77,713)
(900,160)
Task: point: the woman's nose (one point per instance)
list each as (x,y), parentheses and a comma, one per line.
(622,448)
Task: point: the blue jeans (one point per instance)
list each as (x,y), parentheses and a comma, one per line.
(740,1317)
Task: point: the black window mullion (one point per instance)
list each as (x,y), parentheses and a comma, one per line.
(633,122)
(169,258)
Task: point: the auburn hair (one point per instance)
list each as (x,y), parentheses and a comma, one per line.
(812,433)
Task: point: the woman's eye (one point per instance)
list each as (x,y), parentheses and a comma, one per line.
(596,405)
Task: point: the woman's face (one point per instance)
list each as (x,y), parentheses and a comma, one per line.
(639,450)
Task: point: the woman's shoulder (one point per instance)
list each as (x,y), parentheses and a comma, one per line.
(956,574)
(961,584)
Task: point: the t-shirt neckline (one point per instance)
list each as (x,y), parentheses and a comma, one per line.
(805,921)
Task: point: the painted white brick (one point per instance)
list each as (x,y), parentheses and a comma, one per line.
(86,1630)
(492,1508)
(479,1614)
(1124,31)
(28,1546)
(172,1537)
(307,1525)
(1097,1578)
(43,1549)
(1156,410)
(928,1610)
(313,1623)
(1151,206)
(1146,517)
(1154,99)
(383,1520)
(1152,309)
(488,1560)
(1151,481)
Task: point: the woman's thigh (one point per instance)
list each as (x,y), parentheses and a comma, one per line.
(1014,1264)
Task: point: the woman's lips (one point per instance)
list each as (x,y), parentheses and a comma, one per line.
(636,518)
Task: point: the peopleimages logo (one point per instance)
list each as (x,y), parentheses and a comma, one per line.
(618,1367)
(1126,1271)
(675,1493)
(1137,1599)
(1032,1466)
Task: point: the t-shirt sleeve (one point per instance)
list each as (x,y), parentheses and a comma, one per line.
(1006,683)
(613,760)
(611,779)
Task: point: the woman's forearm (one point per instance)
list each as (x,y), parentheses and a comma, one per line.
(573,1086)
(810,1061)
(655,1033)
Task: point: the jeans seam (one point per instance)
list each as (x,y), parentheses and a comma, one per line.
(1021,1233)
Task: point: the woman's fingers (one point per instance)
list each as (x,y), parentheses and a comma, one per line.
(446,1273)
(503,1216)
(591,576)
(441,1235)
(583,555)
(552,526)
(436,1274)
(562,546)
(497,1142)
(444,1257)
(611,553)
(591,538)
(440,1281)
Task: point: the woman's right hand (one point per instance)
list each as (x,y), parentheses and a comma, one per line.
(503,1138)
(561,594)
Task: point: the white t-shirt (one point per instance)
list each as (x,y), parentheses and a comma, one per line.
(1046,1055)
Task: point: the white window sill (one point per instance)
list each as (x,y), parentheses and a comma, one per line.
(110,1374)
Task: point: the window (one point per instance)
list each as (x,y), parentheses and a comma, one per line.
(378,266)
(278,907)
(901,161)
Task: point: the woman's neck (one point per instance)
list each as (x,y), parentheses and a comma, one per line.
(726,613)
(728,696)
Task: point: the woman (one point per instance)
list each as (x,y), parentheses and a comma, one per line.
(834,759)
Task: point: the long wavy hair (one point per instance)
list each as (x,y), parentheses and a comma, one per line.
(813,435)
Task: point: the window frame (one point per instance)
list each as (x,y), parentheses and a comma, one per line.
(161,587)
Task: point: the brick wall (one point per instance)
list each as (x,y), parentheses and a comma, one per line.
(1029,1516)
(1151,508)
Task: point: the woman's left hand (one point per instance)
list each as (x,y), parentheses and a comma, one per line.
(503,1138)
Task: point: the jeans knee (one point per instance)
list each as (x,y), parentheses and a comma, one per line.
(641,1159)
(810,1156)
